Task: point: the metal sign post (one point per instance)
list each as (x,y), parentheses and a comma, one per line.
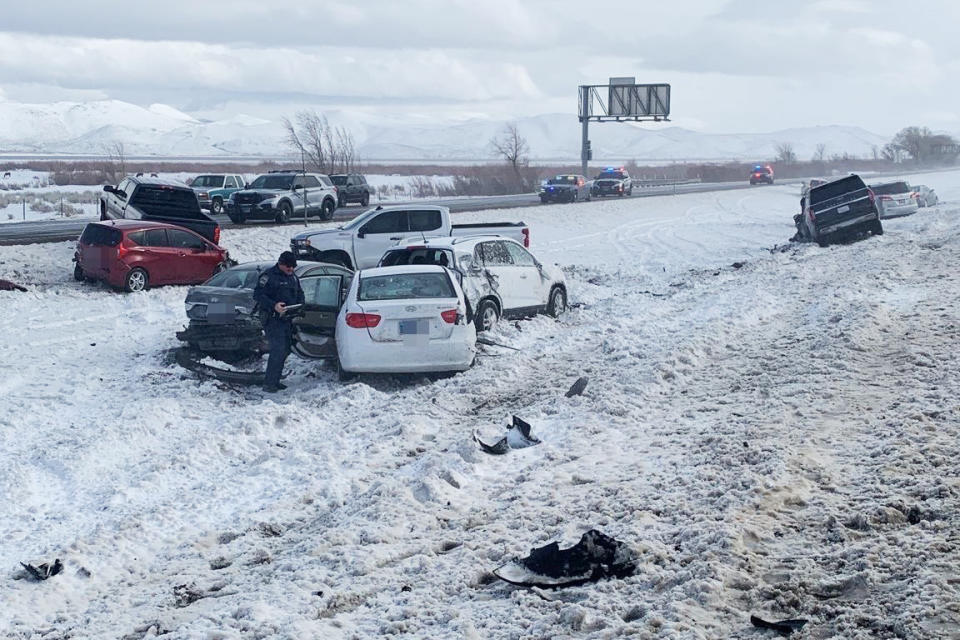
(622,100)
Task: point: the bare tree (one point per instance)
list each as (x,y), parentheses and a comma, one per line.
(820,153)
(513,148)
(115,165)
(309,136)
(912,141)
(346,150)
(785,153)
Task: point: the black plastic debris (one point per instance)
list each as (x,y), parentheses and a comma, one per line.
(577,387)
(785,627)
(595,557)
(493,343)
(6,285)
(518,437)
(43,571)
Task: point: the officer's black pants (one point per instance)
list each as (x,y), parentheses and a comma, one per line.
(279,336)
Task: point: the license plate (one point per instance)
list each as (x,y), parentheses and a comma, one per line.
(414,327)
(844,209)
(245,208)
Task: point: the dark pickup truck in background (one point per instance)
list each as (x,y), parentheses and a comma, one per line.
(156,200)
(838,208)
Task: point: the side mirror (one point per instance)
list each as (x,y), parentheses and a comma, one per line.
(361,233)
(109,188)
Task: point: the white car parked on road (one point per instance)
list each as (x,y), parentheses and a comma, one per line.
(500,277)
(407,319)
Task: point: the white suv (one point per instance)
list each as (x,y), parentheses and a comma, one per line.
(500,277)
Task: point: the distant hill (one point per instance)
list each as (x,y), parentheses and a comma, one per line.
(160,130)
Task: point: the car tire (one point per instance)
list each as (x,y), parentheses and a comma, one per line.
(365,199)
(78,273)
(284,213)
(327,209)
(137,280)
(876,227)
(216,207)
(822,240)
(574,197)
(557,303)
(488,314)
(342,200)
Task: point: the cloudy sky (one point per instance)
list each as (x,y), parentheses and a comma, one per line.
(734,65)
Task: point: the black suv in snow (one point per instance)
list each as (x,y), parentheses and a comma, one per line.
(351,187)
(841,207)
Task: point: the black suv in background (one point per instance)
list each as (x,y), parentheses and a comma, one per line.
(351,187)
(284,196)
(157,200)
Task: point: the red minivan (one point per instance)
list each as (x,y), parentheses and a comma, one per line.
(134,254)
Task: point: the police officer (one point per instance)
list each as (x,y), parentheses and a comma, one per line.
(276,288)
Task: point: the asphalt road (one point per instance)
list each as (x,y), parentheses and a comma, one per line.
(60,230)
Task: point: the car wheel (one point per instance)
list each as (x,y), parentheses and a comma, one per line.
(487,315)
(326,209)
(341,200)
(573,198)
(543,201)
(136,280)
(876,228)
(558,302)
(284,213)
(365,200)
(233,218)
(334,257)
(78,273)
(822,241)
(217,206)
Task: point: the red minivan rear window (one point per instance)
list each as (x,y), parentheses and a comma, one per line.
(98,235)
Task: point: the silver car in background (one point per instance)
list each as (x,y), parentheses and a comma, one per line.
(926,197)
(894,199)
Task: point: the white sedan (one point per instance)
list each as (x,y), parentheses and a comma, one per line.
(405,319)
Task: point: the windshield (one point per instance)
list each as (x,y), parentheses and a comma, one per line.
(563,180)
(234,279)
(360,219)
(619,175)
(272,182)
(403,286)
(891,187)
(207,181)
(339,180)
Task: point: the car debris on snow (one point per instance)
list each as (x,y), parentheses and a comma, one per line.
(785,627)
(6,285)
(43,571)
(577,388)
(595,557)
(518,437)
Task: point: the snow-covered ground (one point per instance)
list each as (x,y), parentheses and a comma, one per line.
(777,437)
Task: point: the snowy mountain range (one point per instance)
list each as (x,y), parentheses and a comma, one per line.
(86,128)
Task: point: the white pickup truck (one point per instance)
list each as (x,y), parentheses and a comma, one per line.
(361,243)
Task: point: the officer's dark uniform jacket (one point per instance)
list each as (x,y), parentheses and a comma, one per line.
(275,286)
